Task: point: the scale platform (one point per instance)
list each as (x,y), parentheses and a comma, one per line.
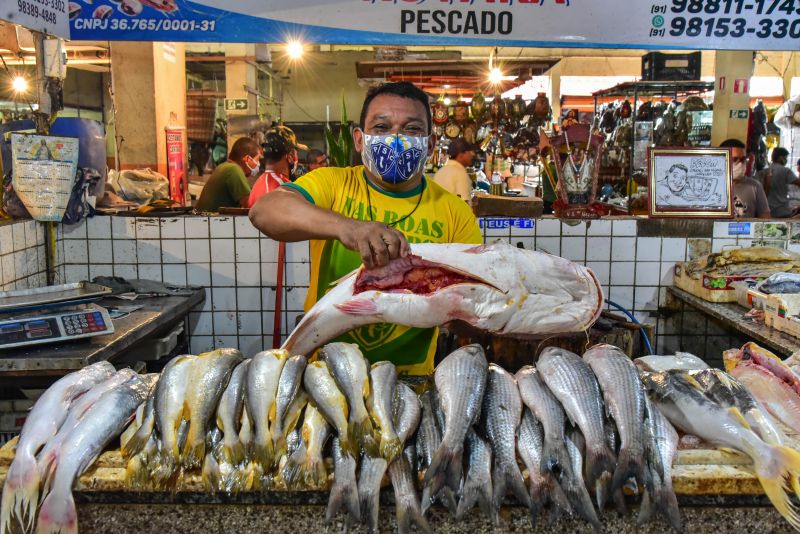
(52,314)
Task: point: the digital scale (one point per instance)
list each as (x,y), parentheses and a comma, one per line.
(51,314)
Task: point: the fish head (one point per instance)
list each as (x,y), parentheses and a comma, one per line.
(732,358)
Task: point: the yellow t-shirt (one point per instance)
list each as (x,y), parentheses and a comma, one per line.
(438,217)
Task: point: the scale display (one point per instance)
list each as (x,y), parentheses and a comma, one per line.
(57,325)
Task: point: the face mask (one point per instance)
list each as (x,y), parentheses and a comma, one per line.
(395,157)
(738,171)
(253,170)
(292,170)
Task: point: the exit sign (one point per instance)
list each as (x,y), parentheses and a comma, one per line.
(236,104)
(740,113)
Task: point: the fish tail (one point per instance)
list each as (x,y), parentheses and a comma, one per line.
(279,446)
(391,448)
(58,514)
(369,503)
(408,515)
(476,493)
(343,496)
(261,453)
(448,498)
(505,478)
(211,475)
(233,450)
(630,464)
(136,443)
(600,460)
(426,501)
(363,433)
(538,496)
(579,499)
(435,475)
(349,446)
(775,467)
(554,454)
(558,499)
(193,453)
(20,493)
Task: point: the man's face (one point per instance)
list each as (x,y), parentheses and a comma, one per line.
(738,163)
(321,161)
(676,179)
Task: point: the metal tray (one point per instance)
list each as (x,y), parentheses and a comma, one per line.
(42,296)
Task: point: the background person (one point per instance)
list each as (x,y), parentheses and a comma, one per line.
(749,199)
(453,175)
(777,179)
(280,161)
(228,186)
(316,159)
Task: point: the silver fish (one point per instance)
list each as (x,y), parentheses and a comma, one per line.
(141,435)
(229,414)
(211,473)
(320,386)
(573,484)
(548,411)
(407,506)
(663,447)
(575,386)
(344,492)
(350,370)
(370,476)
(170,397)
(207,380)
(543,485)
(624,400)
(460,382)
(263,375)
(502,411)
(306,469)
(288,387)
(406,412)
(478,483)
(429,438)
(21,490)
(383,378)
(103,422)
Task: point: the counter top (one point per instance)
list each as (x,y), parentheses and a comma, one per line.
(156,313)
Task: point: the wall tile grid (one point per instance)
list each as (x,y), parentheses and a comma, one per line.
(23,263)
(226,255)
(238,267)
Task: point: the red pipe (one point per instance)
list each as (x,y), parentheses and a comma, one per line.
(276,325)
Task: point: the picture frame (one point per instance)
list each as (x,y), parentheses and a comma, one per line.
(689,182)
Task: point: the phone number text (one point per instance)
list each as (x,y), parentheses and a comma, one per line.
(734,27)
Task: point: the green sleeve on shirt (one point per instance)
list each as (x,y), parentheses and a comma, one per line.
(300,190)
(237,184)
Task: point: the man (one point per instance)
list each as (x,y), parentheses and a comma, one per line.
(453,175)
(777,179)
(749,200)
(370,213)
(674,184)
(316,159)
(280,160)
(228,186)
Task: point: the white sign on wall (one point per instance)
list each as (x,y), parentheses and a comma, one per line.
(47,16)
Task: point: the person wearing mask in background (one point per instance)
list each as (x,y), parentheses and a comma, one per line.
(316,159)
(368,214)
(280,159)
(777,179)
(749,200)
(453,175)
(228,187)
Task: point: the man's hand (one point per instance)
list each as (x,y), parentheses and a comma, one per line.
(376,242)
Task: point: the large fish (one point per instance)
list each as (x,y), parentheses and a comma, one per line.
(502,412)
(625,401)
(288,388)
(543,485)
(322,388)
(548,411)
(229,414)
(770,381)
(681,361)
(575,386)
(573,484)
(103,422)
(351,371)
(263,375)
(662,448)
(21,490)
(679,397)
(460,382)
(383,378)
(429,438)
(498,288)
(478,482)
(207,381)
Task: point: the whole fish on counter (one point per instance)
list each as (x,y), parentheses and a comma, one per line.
(344,491)
(574,384)
(772,383)
(21,490)
(306,467)
(661,450)
(229,414)
(288,387)
(263,375)
(679,397)
(497,288)
(383,379)
(321,387)
(625,401)
(574,486)
(429,438)
(680,361)
(103,422)
(478,481)
(460,382)
(780,283)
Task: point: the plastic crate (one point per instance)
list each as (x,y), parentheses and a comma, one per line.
(658,66)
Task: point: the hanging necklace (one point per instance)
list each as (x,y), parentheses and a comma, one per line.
(398,221)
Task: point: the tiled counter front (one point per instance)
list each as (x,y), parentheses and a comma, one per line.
(633,259)
(23,261)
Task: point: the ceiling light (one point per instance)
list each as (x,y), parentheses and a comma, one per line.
(447,101)
(446,86)
(19,84)
(294,49)
(495,76)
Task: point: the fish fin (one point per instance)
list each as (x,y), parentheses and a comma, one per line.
(692,381)
(479,249)
(579,499)
(210,473)
(279,446)
(408,515)
(598,461)
(349,446)
(773,465)
(539,494)
(505,478)
(738,415)
(554,453)
(20,493)
(262,454)
(436,474)
(357,306)
(619,503)
(362,433)
(559,503)
(58,514)
(448,498)
(233,451)
(476,492)
(135,444)
(369,503)
(391,449)
(193,453)
(630,464)
(343,495)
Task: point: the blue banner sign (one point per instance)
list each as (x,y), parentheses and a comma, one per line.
(739,228)
(500,223)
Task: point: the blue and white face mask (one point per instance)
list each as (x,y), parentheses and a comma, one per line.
(395,157)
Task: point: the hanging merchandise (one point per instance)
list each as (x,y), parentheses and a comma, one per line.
(756,135)
(478,107)
(460,112)
(787,118)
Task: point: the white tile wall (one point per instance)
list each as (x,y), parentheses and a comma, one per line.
(23,260)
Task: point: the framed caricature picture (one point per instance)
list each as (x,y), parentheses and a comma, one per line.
(690,182)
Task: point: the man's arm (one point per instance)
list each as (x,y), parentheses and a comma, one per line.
(285,215)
